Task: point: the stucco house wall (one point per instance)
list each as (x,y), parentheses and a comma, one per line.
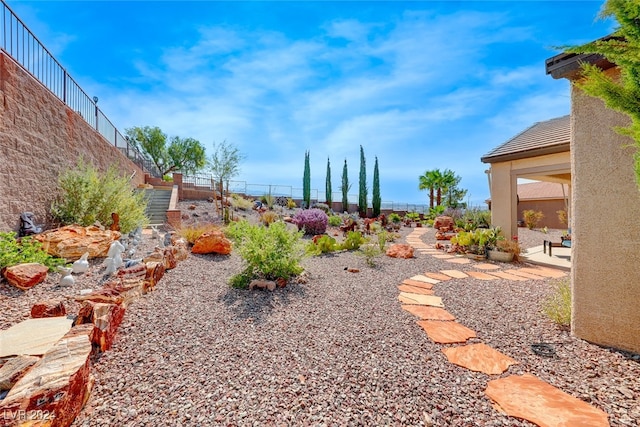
(605,275)
(40,137)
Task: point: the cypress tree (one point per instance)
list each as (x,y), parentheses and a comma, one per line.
(362,194)
(345,187)
(328,184)
(306,181)
(375,198)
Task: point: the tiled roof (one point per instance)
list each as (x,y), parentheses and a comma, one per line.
(542,190)
(548,137)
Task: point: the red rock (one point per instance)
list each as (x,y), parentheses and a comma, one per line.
(444,223)
(212,242)
(170,258)
(446,332)
(71,241)
(262,284)
(26,276)
(155,271)
(137,271)
(48,309)
(106,319)
(400,250)
(56,387)
(480,358)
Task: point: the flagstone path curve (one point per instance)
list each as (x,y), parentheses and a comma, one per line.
(523,396)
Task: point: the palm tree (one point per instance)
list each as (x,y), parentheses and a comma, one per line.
(448,180)
(427,182)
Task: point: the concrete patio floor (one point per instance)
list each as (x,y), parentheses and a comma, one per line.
(560,259)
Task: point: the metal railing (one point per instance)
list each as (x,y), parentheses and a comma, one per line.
(17,41)
(257,190)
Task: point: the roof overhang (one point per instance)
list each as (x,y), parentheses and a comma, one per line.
(568,65)
(559,148)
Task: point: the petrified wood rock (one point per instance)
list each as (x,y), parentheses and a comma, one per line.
(14,369)
(170,258)
(212,242)
(155,271)
(71,241)
(105,319)
(56,387)
(444,223)
(48,308)
(26,276)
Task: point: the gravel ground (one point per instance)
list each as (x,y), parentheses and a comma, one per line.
(337,350)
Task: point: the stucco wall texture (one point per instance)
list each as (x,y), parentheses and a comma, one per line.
(605,228)
(39,138)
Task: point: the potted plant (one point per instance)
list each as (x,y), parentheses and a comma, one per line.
(505,251)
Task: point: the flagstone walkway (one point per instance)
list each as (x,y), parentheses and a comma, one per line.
(523,396)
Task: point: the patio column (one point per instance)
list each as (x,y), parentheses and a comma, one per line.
(504,205)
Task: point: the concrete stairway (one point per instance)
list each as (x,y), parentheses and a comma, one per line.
(158,204)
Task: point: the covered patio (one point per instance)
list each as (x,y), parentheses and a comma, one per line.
(540,153)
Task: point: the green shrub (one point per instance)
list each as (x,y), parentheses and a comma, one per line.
(557,306)
(335,221)
(323,245)
(14,252)
(87,196)
(269,253)
(532,218)
(395,218)
(370,252)
(240,203)
(384,237)
(353,241)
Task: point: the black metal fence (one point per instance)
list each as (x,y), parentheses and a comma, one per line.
(24,47)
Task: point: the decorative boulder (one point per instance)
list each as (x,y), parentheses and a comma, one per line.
(48,309)
(262,284)
(444,223)
(26,276)
(212,242)
(155,271)
(72,241)
(57,386)
(400,250)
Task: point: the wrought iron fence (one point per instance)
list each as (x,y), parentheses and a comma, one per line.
(17,41)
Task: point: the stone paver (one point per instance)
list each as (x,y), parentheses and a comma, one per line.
(486,266)
(519,272)
(546,272)
(437,276)
(479,358)
(426,312)
(415,290)
(443,256)
(508,276)
(456,274)
(417,284)
(446,332)
(409,298)
(459,260)
(481,275)
(423,278)
(534,400)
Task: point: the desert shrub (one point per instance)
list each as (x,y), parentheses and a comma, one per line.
(268,217)
(370,252)
(240,203)
(87,195)
(335,221)
(384,237)
(454,213)
(532,218)
(562,216)
(269,253)
(323,245)
(475,218)
(323,207)
(353,241)
(311,221)
(27,249)
(557,306)
(395,218)
(268,200)
(291,204)
(190,233)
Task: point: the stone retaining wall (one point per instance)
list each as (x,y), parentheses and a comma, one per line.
(39,138)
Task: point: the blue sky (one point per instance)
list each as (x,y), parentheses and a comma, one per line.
(419,84)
